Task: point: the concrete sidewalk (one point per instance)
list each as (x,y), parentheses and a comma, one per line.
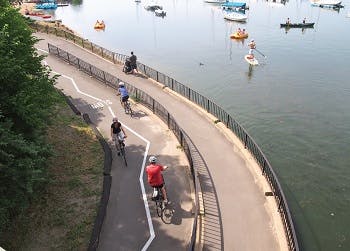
(237,214)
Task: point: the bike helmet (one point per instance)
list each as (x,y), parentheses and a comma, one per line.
(121,84)
(152,159)
(115,119)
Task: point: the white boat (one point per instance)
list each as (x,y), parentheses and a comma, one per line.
(325,2)
(215,1)
(235,16)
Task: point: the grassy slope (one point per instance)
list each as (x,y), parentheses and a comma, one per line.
(62,217)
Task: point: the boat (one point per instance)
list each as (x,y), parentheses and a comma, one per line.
(215,1)
(327,3)
(152,6)
(234,6)
(251,61)
(298,25)
(237,35)
(235,16)
(47,4)
(160,13)
(46,16)
(99,26)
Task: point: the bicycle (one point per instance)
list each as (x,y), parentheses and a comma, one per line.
(163,210)
(127,107)
(120,146)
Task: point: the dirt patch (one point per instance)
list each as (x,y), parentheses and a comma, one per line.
(62,217)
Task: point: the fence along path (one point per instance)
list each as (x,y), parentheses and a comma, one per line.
(230,123)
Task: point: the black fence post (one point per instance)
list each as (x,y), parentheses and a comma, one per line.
(82,42)
(104,77)
(78,63)
(172,84)
(245,141)
(92,47)
(168,120)
(208,102)
(144,69)
(228,120)
(90,70)
(153,105)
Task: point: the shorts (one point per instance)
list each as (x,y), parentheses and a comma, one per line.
(250,51)
(158,186)
(125,98)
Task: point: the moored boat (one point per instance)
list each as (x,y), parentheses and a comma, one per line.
(215,1)
(234,6)
(235,16)
(298,25)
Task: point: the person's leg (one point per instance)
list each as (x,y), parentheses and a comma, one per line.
(164,194)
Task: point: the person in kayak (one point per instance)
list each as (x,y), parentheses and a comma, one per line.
(252,46)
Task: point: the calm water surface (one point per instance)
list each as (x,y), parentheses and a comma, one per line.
(295,104)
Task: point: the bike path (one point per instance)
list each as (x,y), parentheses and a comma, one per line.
(247,219)
(126,224)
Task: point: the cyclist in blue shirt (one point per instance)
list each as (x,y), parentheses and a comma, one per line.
(123,92)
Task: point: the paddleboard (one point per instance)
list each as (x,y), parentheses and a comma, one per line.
(253,61)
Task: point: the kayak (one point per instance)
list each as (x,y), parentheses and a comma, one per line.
(298,25)
(238,36)
(251,61)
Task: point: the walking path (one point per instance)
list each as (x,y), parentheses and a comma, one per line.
(238,216)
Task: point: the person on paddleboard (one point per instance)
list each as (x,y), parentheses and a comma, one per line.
(252,46)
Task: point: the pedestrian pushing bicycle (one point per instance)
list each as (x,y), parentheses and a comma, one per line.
(118,135)
(124,98)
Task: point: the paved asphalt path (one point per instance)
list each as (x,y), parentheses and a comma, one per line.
(237,214)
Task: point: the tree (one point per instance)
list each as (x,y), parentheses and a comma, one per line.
(27,95)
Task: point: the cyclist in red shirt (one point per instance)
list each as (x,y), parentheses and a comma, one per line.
(155,177)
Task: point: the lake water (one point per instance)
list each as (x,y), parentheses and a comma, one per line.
(295,104)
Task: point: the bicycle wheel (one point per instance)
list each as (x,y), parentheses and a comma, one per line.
(129,109)
(167,214)
(159,207)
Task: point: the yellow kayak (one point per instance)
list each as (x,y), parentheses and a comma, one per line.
(239,36)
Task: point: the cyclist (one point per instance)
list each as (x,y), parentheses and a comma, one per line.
(116,130)
(155,177)
(123,92)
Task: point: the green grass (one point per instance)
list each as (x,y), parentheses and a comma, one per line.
(62,216)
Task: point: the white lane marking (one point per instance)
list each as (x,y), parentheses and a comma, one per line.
(42,50)
(144,196)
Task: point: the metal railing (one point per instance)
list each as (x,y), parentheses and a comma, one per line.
(193,96)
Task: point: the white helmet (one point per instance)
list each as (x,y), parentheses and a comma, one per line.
(153,159)
(121,84)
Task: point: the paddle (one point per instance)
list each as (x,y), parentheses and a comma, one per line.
(260,52)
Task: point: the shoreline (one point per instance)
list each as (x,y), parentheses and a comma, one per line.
(25,7)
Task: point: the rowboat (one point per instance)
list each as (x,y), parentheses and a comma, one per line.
(298,25)
(251,61)
(237,35)
(235,16)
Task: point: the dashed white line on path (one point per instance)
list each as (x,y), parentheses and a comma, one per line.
(144,196)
